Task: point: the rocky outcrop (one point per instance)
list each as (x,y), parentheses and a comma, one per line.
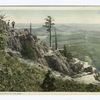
(30,47)
(27,49)
(57,62)
(79,66)
(14,43)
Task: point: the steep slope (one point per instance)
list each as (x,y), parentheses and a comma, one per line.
(25,60)
(30,47)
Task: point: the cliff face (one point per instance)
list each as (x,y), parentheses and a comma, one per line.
(30,47)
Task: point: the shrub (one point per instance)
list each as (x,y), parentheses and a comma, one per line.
(48,82)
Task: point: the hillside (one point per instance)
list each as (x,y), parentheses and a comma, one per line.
(28,64)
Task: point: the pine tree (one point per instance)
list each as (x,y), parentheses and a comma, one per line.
(65,51)
(48,25)
(67,54)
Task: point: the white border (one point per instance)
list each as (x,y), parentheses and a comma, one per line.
(50,97)
(49,2)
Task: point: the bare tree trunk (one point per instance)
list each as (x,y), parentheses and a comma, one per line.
(50,38)
(30,28)
(56,43)
(50,31)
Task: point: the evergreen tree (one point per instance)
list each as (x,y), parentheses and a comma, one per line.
(48,25)
(67,53)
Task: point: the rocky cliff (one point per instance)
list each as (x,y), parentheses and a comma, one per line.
(25,60)
(30,47)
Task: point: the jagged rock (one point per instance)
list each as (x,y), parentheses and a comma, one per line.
(76,68)
(90,69)
(32,48)
(14,43)
(12,52)
(58,63)
(39,50)
(42,61)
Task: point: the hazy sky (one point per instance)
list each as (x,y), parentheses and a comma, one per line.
(86,15)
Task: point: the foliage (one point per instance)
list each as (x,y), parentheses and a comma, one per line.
(65,51)
(60,85)
(1,43)
(67,54)
(72,86)
(2,31)
(28,52)
(2,40)
(48,82)
(17,76)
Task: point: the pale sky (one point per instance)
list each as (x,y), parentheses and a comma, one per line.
(61,15)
